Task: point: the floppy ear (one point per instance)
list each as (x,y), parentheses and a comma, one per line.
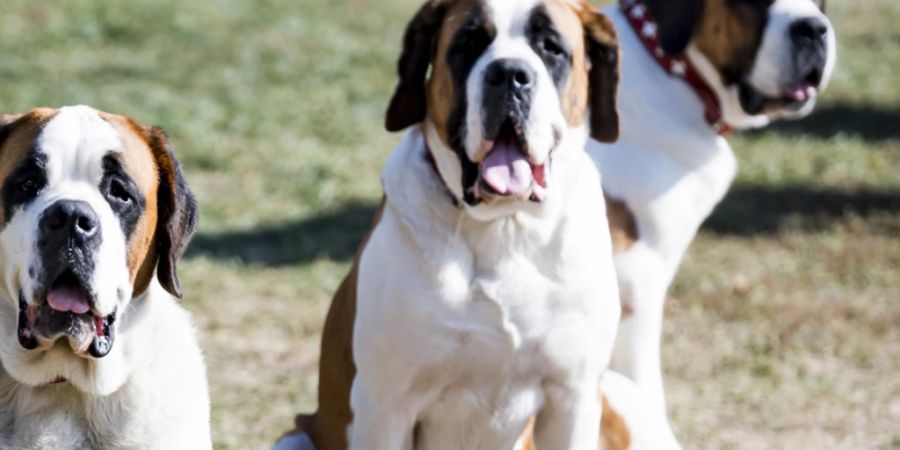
(676,21)
(6,120)
(177,212)
(602,46)
(408,105)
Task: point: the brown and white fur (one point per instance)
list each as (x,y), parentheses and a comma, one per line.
(479,302)
(95,351)
(765,60)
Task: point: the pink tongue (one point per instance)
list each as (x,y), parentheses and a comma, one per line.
(68,298)
(506,170)
(802,93)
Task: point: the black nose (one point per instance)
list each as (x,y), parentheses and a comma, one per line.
(70,219)
(809,30)
(513,75)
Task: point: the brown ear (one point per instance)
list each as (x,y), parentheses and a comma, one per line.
(177,211)
(676,22)
(602,46)
(408,105)
(6,121)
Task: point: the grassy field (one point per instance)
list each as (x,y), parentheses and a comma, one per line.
(783,327)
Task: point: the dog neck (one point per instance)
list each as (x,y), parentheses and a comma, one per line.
(680,66)
(429,158)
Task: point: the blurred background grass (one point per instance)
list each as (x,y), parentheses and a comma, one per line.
(783,327)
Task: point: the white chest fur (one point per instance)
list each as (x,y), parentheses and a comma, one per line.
(59,416)
(464,325)
(163,404)
(669,166)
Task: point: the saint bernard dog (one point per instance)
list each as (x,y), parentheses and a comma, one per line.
(95,352)
(485,294)
(691,70)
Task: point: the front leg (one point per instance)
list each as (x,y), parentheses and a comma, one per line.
(379,422)
(570,418)
(643,281)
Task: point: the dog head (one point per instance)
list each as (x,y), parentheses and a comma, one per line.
(510,82)
(765,59)
(93,208)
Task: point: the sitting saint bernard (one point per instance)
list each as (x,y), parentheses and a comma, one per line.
(485,294)
(692,70)
(95,352)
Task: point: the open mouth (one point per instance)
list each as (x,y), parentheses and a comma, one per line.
(505,170)
(806,89)
(792,98)
(66,312)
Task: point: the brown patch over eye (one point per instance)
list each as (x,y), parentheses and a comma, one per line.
(574,88)
(137,160)
(17,135)
(466,31)
(730,34)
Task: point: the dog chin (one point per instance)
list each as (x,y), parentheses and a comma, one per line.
(58,366)
(738,114)
(795,101)
(56,363)
(795,111)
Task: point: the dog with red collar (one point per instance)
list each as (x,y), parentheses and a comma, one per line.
(692,70)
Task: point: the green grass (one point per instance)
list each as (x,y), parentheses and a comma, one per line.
(784,322)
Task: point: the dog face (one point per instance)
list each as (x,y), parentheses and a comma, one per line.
(510,81)
(94,206)
(765,58)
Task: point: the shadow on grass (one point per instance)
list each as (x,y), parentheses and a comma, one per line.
(751,209)
(747,210)
(334,235)
(872,123)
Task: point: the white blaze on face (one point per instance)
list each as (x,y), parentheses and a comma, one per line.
(74,143)
(545,114)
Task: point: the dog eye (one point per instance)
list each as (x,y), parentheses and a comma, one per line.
(29,184)
(550,46)
(472,39)
(118,193)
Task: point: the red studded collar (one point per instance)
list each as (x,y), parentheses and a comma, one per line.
(644,25)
